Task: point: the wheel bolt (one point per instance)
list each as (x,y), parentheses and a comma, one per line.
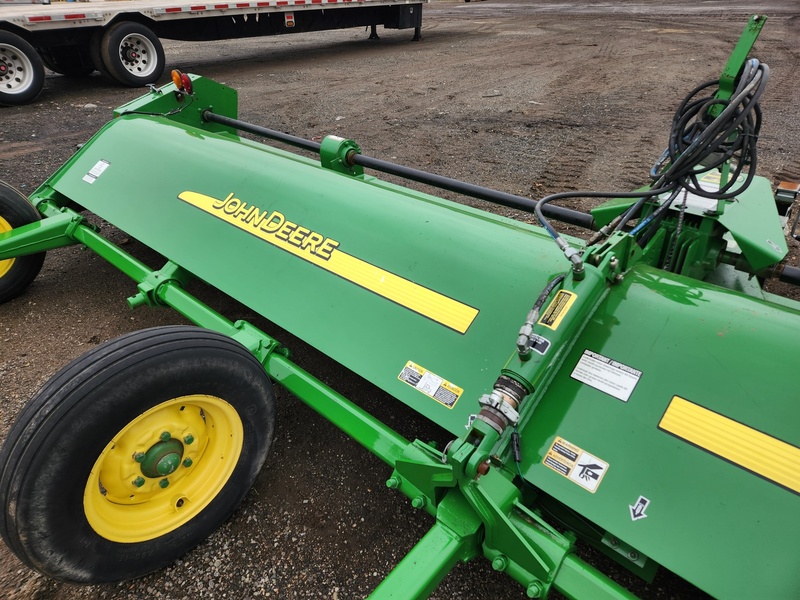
(139,457)
(187,462)
(165,436)
(163,483)
(188,439)
(138,482)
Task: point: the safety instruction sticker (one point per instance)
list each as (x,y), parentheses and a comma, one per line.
(96,171)
(558,309)
(606,375)
(430,384)
(575,464)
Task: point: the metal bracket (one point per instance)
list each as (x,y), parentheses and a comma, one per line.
(335,153)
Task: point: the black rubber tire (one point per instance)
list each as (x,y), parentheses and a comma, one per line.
(132,39)
(95,55)
(21,71)
(47,458)
(71,61)
(16,211)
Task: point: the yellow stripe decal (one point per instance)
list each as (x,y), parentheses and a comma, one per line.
(274,228)
(744,446)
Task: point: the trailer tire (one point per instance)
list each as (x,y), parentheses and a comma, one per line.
(21,71)
(70,61)
(83,470)
(132,54)
(16,274)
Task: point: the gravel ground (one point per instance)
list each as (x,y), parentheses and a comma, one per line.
(529,98)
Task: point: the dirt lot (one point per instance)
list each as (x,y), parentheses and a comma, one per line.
(529,98)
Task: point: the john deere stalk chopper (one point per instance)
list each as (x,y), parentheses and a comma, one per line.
(626,391)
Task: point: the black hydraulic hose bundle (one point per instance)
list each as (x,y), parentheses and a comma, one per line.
(699,142)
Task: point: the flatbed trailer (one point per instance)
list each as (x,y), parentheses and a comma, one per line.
(121,40)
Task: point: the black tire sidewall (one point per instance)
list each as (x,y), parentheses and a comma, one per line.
(18,211)
(37,83)
(109,52)
(90,401)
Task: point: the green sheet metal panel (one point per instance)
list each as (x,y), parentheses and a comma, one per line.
(485,268)
(728,525)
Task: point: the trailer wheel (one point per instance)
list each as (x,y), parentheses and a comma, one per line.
(16,274)
(71,61)
(21,71)
(134,453)
(132,54)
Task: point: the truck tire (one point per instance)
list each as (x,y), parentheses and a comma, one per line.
(71,61)
(16,274)
(134,453)
(21,71)
(132,54)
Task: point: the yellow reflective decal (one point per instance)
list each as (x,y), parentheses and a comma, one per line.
(762,454)
(273,227)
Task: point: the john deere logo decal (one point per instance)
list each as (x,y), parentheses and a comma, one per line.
(275,228)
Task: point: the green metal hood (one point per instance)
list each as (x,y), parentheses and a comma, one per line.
(682,396)
(374,275)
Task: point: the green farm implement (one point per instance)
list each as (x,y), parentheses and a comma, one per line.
(623,392)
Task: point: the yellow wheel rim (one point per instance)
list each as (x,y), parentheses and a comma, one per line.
(163,468)
(5,265)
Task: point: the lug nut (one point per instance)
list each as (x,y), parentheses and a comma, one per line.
(163,483)
(187,462)
(165,436)
(138,482)
(139,457)
(188,439)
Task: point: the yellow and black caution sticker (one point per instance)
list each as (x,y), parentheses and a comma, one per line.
(748,448)
(430,384)
(574,463)
(558,309)
(314,247)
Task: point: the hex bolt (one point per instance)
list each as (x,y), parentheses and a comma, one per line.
(163,483)
(418,502)
(164,437)
(535,589)
(188,439)
(138,482)
(499,563)
(393,483)
(187,462)
(139,457)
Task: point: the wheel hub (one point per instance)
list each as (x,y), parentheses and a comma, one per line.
(162,459)
(130,55)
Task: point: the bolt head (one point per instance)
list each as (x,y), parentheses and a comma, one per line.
(188,439)
(187,462)
(138,482)
(139,457)
(163,483)
(165,436)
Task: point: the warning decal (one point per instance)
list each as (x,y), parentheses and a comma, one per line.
(606,375)
(430,384)
(96,171)
(558,309)
(575,464)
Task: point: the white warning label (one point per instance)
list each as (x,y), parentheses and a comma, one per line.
(96,171)
(430,384)
(575,464)
(606,375)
